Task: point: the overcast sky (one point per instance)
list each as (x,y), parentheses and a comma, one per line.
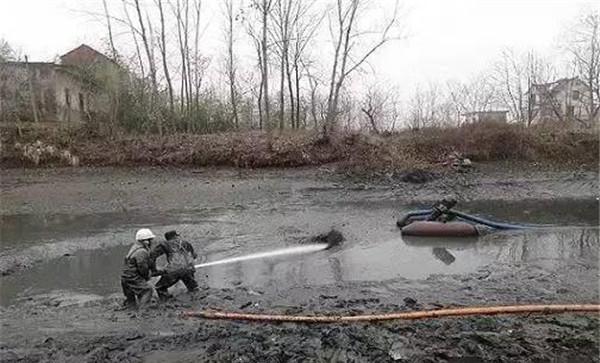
(447,39)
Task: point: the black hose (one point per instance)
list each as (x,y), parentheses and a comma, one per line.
(424,214)
(413,216)
(487,222)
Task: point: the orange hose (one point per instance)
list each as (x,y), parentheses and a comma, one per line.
(413,315)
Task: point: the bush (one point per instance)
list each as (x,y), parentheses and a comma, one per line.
(358,152)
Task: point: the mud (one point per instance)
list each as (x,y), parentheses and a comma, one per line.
(65,231)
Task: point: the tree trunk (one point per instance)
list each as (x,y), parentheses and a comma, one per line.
(152,68)
(265,62)
(282,92)
(297,73)
(231,67)
(34,109)
(163,51)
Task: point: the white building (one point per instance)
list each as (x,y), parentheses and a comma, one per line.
(565,102)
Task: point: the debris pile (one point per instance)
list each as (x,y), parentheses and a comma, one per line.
(39,153)
(457,161)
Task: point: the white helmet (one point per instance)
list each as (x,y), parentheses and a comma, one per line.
(144,234)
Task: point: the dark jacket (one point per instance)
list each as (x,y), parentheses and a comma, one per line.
(180,254)
(137,263)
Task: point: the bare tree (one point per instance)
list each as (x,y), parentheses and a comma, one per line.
(147,46)
(584,47)
(32,98)
(293,26)
(231,68)
(379,105)
(427,108)
(371,107)
(112,87)
(264,7)
(134,35)
(280,19)
(151,64)
(314,84)
(346,59)
(305,24)
(260,14)
(199,64)
(516,77)
(181,37)
(110,33)
(259,95)
(162,45)
(6,51)
(475,95)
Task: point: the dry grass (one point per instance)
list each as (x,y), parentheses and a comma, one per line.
(406,150)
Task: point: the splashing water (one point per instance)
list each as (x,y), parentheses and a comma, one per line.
(268,254)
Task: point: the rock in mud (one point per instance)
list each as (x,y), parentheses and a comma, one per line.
(418,176)
(409,301)
(402,350)
(332,238)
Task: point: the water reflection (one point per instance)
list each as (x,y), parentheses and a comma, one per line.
(98,271)
(418,258)
(443,255)
(557,246)
(30,229)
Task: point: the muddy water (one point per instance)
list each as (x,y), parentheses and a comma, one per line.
(94,245)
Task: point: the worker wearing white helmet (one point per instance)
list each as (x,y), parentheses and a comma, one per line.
(137,270)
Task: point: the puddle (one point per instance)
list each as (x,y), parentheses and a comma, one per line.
(373,251)
(20,231)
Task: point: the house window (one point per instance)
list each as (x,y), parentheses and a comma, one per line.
(67,98)
(576,95)
(81,103)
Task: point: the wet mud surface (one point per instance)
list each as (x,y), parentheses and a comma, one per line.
(64,234)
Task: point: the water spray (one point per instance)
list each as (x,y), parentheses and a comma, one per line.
(325,241)
(282,252)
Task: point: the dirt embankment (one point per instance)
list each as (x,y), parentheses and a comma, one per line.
(357,153)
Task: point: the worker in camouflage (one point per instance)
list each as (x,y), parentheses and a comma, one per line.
(180,264)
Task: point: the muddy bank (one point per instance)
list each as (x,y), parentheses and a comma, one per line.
(58,328)
(102,190)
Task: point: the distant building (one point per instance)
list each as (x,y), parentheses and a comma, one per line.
(485,116)
(68,92)
(565,102)
(85,56)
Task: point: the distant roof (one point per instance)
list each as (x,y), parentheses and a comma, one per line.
(555,85)
(483,112)
(84,54)
(22,63)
